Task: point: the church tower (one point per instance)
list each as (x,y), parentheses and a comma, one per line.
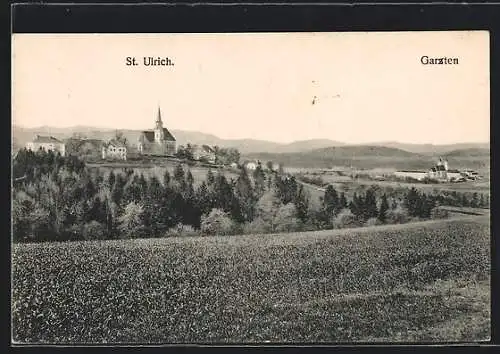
(159,133)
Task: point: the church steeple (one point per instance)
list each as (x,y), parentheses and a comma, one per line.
(159,122)
(159,133)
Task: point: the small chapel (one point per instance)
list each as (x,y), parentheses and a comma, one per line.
(158,141)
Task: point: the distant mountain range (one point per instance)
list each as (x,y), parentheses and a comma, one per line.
(22,135)
(372,156)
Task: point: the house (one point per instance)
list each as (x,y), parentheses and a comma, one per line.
(158,141)
(46,143)
(454,175)
(204,152)
(115,150)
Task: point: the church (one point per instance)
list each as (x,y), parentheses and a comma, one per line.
(158,141)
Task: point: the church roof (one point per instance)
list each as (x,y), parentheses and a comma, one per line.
(150,135)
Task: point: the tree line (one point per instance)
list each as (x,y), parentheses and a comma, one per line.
(58,198)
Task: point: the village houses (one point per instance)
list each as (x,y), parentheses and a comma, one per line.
(46,143)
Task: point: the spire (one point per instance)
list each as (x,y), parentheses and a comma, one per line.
(158,118)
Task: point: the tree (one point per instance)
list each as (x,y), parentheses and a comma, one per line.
(120,137)
(166,178)
(245,195)
(203,198)
(94,230)
(301,203)
(398,215)
(266,209)
(384,207)
(130,223)
(369,208)
(474,203)
(217,222)
(222,193)
(118,189)
(330,203)
(344,219)
(342,201)
(154,207)
(210,178)
(286,219)
(132,191)
(412,202)
(259,180)
(356,205)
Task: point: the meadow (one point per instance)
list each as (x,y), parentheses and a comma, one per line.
(423,281)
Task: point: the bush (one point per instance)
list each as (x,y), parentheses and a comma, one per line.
(257,226)
(439,213)
(345,219)
(94,230)
(397,216)
(217,222)
(181,230)
(373,222)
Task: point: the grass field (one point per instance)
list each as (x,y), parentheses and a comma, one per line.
(426,281)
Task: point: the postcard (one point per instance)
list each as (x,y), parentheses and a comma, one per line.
(251,188)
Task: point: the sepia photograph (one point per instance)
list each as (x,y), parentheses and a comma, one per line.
(251,188)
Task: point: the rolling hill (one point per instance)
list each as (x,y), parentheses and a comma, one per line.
(368,157)
(22,135)
(433,149)
(306,153)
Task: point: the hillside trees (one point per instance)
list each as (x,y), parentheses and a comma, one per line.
(62,201)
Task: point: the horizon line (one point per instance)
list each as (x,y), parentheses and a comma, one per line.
(255,139)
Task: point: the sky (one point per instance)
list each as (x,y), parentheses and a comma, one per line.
(349,87)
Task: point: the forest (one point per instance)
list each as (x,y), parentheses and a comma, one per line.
(57,198)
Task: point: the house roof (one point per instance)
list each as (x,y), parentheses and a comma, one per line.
(46,139)
(115,143)
(149,135)
(207,148)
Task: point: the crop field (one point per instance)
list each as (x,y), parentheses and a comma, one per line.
(424,281)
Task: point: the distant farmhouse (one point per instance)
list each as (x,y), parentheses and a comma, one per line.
(158,141)
(440,172)
(204,152)
(46,143)
(115,150)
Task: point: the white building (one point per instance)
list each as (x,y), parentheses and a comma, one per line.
(46,143)
(115,150)
(454,175)
(251,165)
(418,175)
